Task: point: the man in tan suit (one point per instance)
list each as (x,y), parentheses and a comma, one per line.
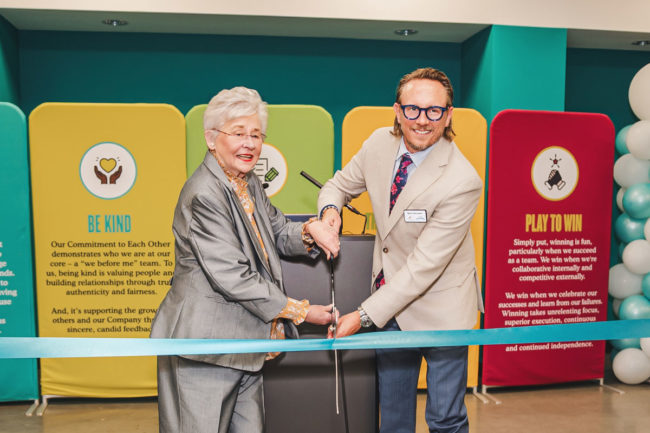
(424,194)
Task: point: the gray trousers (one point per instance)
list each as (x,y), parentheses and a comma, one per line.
(195,397)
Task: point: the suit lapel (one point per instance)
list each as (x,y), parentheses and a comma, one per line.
(384,172)
(266,231)
(425,175)
(212,164)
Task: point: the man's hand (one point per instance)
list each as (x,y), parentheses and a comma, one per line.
(348,325)
(319,314)
(325,237)
(332,218)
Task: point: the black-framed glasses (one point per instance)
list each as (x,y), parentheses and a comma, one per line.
(256,137)
(434,113)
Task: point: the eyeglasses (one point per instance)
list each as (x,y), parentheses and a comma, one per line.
(256,137)
(434,113)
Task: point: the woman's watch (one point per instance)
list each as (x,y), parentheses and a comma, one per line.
(366,321)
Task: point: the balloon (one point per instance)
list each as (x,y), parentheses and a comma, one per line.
(635,307)
(621,144)
(621,248)
(638,139)
(616,305)
(645,345)
(626,343)
(638,93)
(623,283)
(619,199)
(629,229)
(631,366)
(645,286)
(646,230)
(636,200)
(629,170)
(636,256)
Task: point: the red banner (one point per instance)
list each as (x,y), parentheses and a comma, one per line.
(548,236)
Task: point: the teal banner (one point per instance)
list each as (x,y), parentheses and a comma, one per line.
(18,377)
(563,336)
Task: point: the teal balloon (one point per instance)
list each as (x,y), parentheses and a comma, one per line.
(621,137)
(635,307)
(636,201)
(645,285)
(629,229)
(626,343)
(613,353)
(621,247)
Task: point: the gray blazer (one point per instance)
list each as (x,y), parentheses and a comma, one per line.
(222,285)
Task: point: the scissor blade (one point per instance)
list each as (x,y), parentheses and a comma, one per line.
(333,298)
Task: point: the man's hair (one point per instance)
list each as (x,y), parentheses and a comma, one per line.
(425,74)
(233,103)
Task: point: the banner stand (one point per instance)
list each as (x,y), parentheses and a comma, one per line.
(600,382)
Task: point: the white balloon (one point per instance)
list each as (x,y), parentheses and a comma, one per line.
(629,170)
(616,305)
(646,230)
(638,139)
(645,345)
(619,199)
(636,256)
(638,93)
(631,366)
(623,283)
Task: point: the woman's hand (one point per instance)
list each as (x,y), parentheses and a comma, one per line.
(319,314)
(325,237)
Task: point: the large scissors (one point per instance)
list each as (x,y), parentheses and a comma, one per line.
(333,326)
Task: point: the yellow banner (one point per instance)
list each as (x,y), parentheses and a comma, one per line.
(471,137)
(105,180)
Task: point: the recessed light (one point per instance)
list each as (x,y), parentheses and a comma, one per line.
(641,43)
(114,22)
(405,32)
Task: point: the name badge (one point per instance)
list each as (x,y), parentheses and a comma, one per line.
(415,216)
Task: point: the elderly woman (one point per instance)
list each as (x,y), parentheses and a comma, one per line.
(227,280)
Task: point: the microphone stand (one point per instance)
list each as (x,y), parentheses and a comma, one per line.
(348,206)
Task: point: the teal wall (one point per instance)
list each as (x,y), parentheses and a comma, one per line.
(598,81)
(186,70)
(500,67)
(514,67)
(8,62)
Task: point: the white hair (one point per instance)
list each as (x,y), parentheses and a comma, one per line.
(233,103)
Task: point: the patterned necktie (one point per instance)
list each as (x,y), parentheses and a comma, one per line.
(400,180)
(396,188)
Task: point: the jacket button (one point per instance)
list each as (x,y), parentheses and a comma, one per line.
(385,250)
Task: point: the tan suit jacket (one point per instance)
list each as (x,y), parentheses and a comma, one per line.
(431,280)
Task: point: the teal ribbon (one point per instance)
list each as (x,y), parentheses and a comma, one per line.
(51,347)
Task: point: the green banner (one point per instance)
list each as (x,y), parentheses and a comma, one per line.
(298,138)
(18,377)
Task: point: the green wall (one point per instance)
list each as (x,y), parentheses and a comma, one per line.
(8,62)
(186,70)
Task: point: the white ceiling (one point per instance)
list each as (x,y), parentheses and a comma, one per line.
(593,26)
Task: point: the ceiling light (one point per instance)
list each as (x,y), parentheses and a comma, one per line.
(405,32)
(114,22)
(641,43)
